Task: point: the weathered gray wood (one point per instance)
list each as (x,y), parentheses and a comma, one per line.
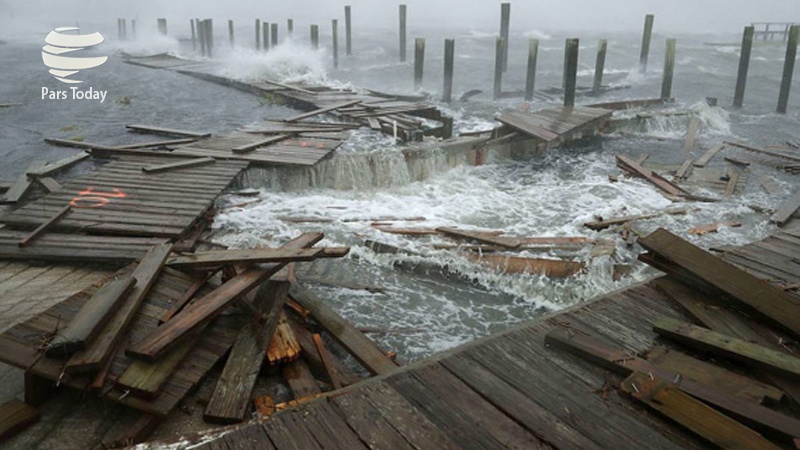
(258,34)
(505,19)
(703,160)
(273,33)
(230,401)
(300,380)
(216,258)
(315,37)
(646,35)
(167,131)
(361,347)
(322,110)
(605,223)
(530,76)
(765,298)
(44,226)
(335,42)
(786,210)
(100,350)
(325,357)
(480,237)
(763,151)
(348,28)
(599,66)
(788,69)
(571,71)
(313,357)
(419,62)
(16,416)
(230,33)
(168,142)
(402,10)
(178,165)
(691,135)
(498,68)
(449,58)
(669,69)
(249,147)
(57,166)
(744,66)
(91,318)
(22,185)
(729,347)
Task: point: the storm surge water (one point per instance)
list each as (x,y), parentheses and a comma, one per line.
(423,299)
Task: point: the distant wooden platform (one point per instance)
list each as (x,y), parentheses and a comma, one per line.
(118,198)
(509,390)
(554,124)
(59,247)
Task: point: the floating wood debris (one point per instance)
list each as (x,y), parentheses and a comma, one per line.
(712,228)
(166,131)
(57,166)
(786,210)
(178,165)
(703,160)
(659,181)
(553,268)
(763,151)
(605,223)
(691,135)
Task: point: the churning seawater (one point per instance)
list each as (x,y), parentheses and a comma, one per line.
(429,300)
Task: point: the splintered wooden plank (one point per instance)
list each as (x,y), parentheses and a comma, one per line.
(605,223)
(651,176)
(322,110)
(552,268)
(333,375)
(216,258)
(97,353)
(283,347)
(21,186)
(91,318)
(249,147)
(696,416)
(230,400)
(57,166)
(729,347)
(167,131)
(717,392)
(16,416)
(312,356)
(480,237)
(703,160)
(523,123)
(178,165)
(740,285)
(44,226)
(169,335)
(360,346)
(763,151)
(786,210)
(691,135)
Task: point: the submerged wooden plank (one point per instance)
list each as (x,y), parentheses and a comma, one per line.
(786,210)
(553,268)
(480,236)
(178,165)
(168,131)
(15,416)
(216,258)
(651,176)
(361,347)
(703,160)
(605,223)
(691,135)
(701,419)
(322,110)
(91,318)
(765,298)
(729,347)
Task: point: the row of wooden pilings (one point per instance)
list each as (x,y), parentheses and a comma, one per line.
(266,37)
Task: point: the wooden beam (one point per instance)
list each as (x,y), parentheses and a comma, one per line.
(77,144)
(59,165)
(167,131)
(178,165)
(49,184)
(763,151)
(360,346)
(674,253)
(245,148)
(691,135)
(300,380)
(659,181)
(479,236)
(91,318)
(187,295)
(553,268)
(43,227)
(230,402)
(729,347)
(786,210)
(21,186)
(98,352)
(333,376)
(312,356)
(16,416)
(605,223)
(170,142)
(216,258)
(322,110)
(696,416)
(289,87)
(703,160)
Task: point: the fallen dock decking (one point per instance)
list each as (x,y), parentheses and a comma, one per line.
(553,124)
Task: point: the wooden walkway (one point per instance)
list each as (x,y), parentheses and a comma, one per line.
(556,124)
(120,198)
(512,391)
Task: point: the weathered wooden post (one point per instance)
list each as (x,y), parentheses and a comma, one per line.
(648,33)
(419,61)
(335,42)
(196,25)
(402,12)
(348,42)
(124,29)
(265,36)
(273,32)
(530,76)
(290,28)
(744,66)
(498,68)
(669,69)
(571,63)
(599,66)
(230,32)
(315,36)
(449,58)
(162,26)
(133,28)
(258,34)
(209,30)
(119,29)
(505,18)
(788,68)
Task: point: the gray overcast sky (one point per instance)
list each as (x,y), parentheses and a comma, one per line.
(620,15)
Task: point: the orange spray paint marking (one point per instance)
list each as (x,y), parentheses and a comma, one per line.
(89,198)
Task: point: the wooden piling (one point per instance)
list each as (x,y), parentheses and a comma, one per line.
(119,29)
(744,66)
(498,68)
(335,42)
(648,33)
(199,27)
(788,68)
(208,28)
(419,61)
(124,29)
(133,28)
(599,66)
(571,64)
(258,34)
(265,36)
(315,36)
(530,78)
(273,32)
(402,12)
(290,28)
(348,30)
(505,19)
(162,26)
(669,69)
(449,58)
(230,32)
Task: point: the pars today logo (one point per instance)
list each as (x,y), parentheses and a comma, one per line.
(55,55)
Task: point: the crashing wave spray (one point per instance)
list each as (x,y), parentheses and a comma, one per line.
(58,43)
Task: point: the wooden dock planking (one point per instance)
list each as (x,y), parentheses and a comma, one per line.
(555,123)
(280,149)
(119,198)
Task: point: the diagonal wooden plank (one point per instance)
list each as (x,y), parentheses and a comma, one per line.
(786,210)
(57,166)
(177,165)
(21,186)
(209,259)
